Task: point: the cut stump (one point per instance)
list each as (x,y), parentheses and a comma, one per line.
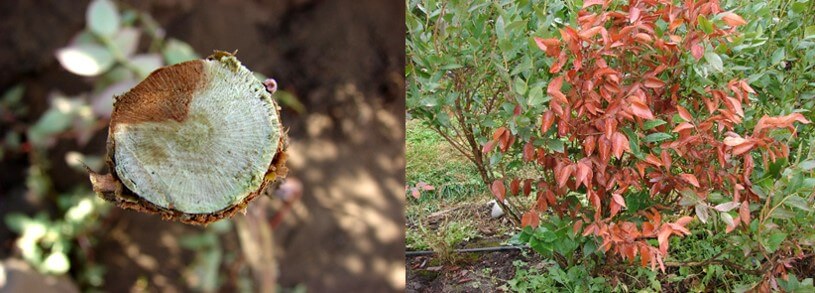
(193,142)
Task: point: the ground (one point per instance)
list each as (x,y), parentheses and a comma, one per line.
(344,60)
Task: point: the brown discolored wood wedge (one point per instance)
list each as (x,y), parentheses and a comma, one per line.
(194,142)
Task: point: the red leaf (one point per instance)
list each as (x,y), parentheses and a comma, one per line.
(683,113)
(589,3)
(744,213)
(547,120)
(743,148)
(564,174)
(736,105)
(553,89)
(683,221)
(633,14)
(654,83)
(653,160)
(746,87)
(618,199)
(589,33)
(529,152)
(415,192)
(498,189)
(666,158)
(541,201)
(561,60)
(582,175)
(488,146)
(514,187)
(697,51)
(641,110)
(683,126)
(619,144)
(734,141)
(614,208)
(499,132)
(643,37)
(530,218)
(733,19)
(604,147)
(690,178)
(589,144)
(550,46)
(577,226)
(527,187)
(779,122)
(664,233)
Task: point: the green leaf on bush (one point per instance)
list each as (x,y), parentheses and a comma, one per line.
(85,59)
(656,137)
(146,63)
(774,240)
(176,51)
(650,124)
(782,214)
(520,86)
(555,145)
(56,263)
(127,40)
(807,165)
(798,202)
(705,24)
(778,56)
(714,60)
(102,17)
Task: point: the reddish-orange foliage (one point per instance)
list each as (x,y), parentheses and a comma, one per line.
(615,71)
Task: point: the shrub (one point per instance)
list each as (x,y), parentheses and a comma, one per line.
(642,127)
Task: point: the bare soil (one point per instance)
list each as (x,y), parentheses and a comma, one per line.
(343,59)
(473,272)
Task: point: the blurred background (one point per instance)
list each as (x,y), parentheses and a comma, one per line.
(336,225)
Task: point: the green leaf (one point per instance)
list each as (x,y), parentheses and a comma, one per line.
(727,218)
(774,240)
(127,40)
(16,221)
(56,263)
(798,202)
(13,95)
(536,97)
(702,212)
(714,60)
(650,124)
(807,165)
(705,24)
(778,56)
(520,86)
(85,59)
(555,145)
(176,51)
(146,63)
(102,18)
(809,32)
(634,143)
(782,214)
(656,137)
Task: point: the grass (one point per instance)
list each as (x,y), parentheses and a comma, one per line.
(444,218)
(432,160)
